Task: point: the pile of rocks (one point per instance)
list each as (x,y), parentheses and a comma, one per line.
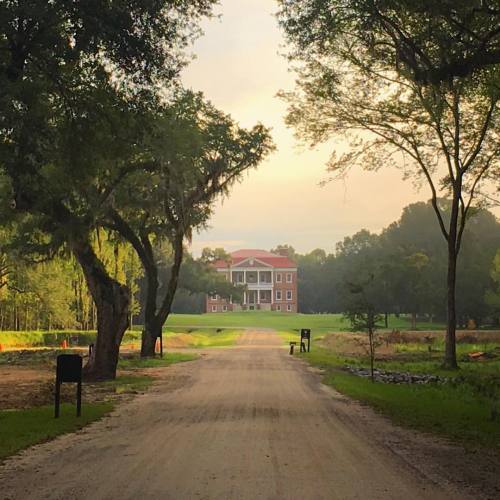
(396,377)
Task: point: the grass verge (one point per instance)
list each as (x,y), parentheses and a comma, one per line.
(129,384)
(459,410)
(22,428)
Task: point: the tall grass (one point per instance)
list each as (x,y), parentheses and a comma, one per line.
(55,338)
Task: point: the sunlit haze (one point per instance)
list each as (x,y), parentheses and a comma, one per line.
(239,68)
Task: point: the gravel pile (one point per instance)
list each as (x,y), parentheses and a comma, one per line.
(396,377)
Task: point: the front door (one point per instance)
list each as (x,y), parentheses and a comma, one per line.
(252,297)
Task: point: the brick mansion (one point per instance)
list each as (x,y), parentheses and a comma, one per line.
(270,279)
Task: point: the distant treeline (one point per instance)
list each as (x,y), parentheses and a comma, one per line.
(407,262)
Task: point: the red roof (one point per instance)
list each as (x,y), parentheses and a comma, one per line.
(245,253)
(268,258)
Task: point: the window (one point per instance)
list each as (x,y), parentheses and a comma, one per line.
(224,308)
(289,307)
(214,297)
(278,294)
(278,277)
(288,295)
(288,277)
(278,308)
(214,309)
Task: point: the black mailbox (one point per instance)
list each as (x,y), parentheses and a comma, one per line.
(305,333)
(69,369)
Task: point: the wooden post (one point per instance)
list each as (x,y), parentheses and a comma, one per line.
(58,398)
(79,399)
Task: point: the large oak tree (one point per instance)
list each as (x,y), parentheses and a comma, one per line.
(414,84)
(75,81)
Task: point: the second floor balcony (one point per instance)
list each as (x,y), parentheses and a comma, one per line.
(252,277)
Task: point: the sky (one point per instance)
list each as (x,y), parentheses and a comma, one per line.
(239,68)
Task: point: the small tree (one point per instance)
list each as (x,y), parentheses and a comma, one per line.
(361,311)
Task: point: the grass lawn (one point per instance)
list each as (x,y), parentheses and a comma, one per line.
(200,337)
(319,323)
(168,359)
(460,410)
(22,428)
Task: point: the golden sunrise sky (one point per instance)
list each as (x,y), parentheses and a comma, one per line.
(239,68)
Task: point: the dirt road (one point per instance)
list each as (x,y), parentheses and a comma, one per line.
(243,423)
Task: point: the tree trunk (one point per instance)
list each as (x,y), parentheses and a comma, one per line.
(112,301)
(152,327)
(155,319)
(413,321)
(166,305)
(450,354)
(151,332)
(372,354)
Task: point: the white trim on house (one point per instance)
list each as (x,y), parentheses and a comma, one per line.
(256,286)
(289,307)
(265,268)
(278,307)
(214,308)
(224,308)
(289,295)
(289,277)
(280,276)
(251,264)
(280,297)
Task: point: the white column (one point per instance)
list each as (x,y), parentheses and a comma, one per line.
(272,287)
(244,298)
(258,296)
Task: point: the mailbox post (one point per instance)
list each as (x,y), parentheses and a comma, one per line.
(305,333)
(69,369)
